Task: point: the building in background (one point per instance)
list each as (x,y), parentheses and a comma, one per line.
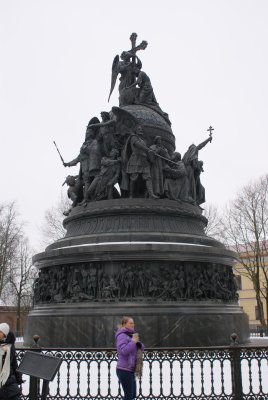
(246,291)
(9,315)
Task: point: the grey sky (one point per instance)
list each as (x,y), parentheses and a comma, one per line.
(207,61)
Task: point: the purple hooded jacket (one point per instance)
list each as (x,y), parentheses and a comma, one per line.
(126,349)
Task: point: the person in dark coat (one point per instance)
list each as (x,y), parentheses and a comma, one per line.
(10,379)
(128,346)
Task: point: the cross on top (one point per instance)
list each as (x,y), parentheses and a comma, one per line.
(210,129)
(134,48)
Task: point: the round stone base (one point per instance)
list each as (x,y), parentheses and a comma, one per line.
(147,259)
(190,324)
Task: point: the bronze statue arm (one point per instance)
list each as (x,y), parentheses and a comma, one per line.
(73,162)
(163,152)
(110,122)
(137,82)
(138,144)
(203,144)
(132,85)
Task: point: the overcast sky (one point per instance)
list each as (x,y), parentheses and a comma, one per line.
(208,64)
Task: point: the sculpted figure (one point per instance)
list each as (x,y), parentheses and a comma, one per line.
(144,94)
(89,158)
(205,284)
(134,156)
(106,130)
(193,168)
(189,282)
(77,293)
(93,150)
(84,275)
(224,284)
(126,68)
(129,68)
(140,282)
(198,285)
(200,190)
(232,285)
(176,185)
(167,291)
(181,282)
(157,165)
(219,285)
(114,287)
(91,285)
(74,192)
(128,283)
(106,292)
(102,187)
(154,286)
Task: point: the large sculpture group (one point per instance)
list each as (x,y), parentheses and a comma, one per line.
(134,281)
(115,159)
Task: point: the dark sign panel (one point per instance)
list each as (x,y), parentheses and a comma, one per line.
(39,365)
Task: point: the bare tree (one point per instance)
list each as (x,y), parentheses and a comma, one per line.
(52,228)
(10,236)
(246,226)
(215,226)
(20,280)
(16,271)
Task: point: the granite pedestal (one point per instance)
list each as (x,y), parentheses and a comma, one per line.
(149,259)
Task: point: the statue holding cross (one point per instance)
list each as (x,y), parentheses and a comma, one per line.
(194,167)
(127,69)
(135,86)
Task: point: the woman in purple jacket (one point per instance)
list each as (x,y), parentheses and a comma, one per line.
(127,345)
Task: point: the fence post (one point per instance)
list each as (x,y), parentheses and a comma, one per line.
(34,382)
(235,351)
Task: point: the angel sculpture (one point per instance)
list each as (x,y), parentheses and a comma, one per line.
(126,68)
(105,129)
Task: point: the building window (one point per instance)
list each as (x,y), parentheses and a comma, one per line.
(238,282)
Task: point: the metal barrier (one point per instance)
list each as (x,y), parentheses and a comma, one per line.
(259,332)
(222,373)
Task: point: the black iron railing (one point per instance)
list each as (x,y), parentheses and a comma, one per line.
(259,332)
(220,373)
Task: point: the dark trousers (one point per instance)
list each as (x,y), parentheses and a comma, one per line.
(128,382)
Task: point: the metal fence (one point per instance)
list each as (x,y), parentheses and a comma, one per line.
(259,332)
(221,373)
